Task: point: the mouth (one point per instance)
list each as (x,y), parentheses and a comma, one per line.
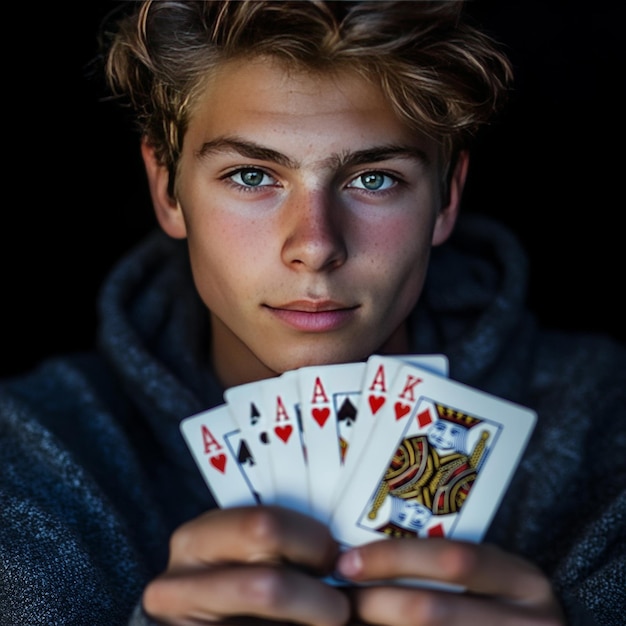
(313,316)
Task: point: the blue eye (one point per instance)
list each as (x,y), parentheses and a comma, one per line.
(251,177)
(372,181)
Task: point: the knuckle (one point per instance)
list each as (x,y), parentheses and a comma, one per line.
(459,561)
(180,541)
(421,607)
(428,610)
(267,589)
(263,530)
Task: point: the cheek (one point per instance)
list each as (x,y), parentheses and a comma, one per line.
(400,269)
(221,229)
(226,257)
(400,252)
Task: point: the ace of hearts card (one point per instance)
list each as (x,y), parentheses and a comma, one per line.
(223,457)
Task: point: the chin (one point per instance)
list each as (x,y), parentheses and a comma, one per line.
(308,358)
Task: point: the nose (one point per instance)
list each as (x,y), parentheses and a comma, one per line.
(314,232)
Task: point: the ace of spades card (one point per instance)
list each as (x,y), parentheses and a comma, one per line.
(246,408)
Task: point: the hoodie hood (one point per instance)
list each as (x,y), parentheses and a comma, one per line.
(473,308)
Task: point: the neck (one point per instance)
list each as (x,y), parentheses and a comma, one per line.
(235,364)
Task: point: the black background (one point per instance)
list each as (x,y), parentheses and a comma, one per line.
(75,197)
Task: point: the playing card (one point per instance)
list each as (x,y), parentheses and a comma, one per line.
(328,409)
(435,363)
(216,445)
(378,376)
(438,462)
(281,406)
(245,404)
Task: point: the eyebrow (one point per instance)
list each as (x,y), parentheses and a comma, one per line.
(247,149)
(252,150)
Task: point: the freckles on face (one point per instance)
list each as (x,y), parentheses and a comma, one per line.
(309,210)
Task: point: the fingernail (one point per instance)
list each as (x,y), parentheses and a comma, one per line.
(350,563)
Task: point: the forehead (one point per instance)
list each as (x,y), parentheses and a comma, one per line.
(264,100)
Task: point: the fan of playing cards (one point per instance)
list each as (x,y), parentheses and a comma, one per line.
(386,448)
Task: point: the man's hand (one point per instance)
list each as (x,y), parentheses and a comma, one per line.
(501,589)
(248,562)
(266,563)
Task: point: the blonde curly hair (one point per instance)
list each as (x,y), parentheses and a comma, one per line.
(443,76)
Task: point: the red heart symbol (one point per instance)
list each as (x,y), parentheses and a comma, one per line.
(283,432)
(218,462)
(320,415)
(401,409)
(375,403)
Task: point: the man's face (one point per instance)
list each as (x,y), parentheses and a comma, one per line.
(309,210)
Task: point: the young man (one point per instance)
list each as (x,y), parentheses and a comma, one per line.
(306,162)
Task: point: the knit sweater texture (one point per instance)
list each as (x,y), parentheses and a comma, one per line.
(96,476)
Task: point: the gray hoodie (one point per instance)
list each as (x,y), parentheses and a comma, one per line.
(95,474)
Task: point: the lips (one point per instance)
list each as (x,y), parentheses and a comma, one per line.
(313,316)
(312,306)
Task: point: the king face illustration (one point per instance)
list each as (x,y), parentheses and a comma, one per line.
(430,474)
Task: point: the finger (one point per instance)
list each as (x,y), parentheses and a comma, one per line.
(260,590)
(409,606)
(479,568)
(253,534)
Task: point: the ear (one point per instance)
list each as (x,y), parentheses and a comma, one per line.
(446,219)
(166,208)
